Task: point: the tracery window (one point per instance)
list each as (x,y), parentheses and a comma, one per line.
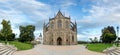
(67,24)
(59,24)
(52,25)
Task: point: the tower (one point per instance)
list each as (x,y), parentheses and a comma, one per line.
(60,31)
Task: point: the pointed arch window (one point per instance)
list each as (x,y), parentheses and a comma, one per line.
(72,38)
(59,23)
(67,24)
(52,25)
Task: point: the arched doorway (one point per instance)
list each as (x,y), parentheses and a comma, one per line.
(59,41)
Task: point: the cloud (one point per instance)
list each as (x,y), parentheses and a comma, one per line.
(101,14)
(91,15)
(24,12)
(67,3)
(104,14)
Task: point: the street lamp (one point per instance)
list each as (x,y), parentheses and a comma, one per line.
(117,40)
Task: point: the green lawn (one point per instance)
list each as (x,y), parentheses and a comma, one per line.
(20,45)
(98,47)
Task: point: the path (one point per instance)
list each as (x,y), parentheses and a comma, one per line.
(58,50)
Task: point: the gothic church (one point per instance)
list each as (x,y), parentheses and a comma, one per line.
(60,31)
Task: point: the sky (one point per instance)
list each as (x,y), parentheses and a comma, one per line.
(91,15)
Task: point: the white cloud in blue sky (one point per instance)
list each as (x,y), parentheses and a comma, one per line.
(91,15)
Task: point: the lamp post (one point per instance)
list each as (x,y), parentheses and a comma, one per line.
(117,40)
(5,35)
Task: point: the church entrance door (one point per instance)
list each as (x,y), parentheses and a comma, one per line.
(59,41)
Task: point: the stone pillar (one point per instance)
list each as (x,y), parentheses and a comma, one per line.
(75,38)
(65,43)
(70,38)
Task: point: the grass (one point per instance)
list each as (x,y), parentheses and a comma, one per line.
(98,47)
(20,45)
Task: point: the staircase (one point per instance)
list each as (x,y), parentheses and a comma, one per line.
(113,51)
(7,50)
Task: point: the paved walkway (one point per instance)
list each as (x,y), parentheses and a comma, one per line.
(58,50)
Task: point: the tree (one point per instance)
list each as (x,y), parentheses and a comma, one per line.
(91,40)
(95,40)
(108,38)
(6,32)
(108,34)
(26,33)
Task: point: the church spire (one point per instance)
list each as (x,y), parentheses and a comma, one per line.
(44,24)
(40,35)
(59,14)
(69,16)
(76,26)
(75,22)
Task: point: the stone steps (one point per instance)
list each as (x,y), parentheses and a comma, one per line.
(115,51)
(3,48)
(7,50)
(11,53)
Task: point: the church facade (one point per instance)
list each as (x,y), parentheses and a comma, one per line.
(60,31)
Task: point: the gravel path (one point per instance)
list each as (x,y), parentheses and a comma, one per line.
(58,50)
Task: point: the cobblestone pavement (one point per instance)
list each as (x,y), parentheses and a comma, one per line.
(58,50)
